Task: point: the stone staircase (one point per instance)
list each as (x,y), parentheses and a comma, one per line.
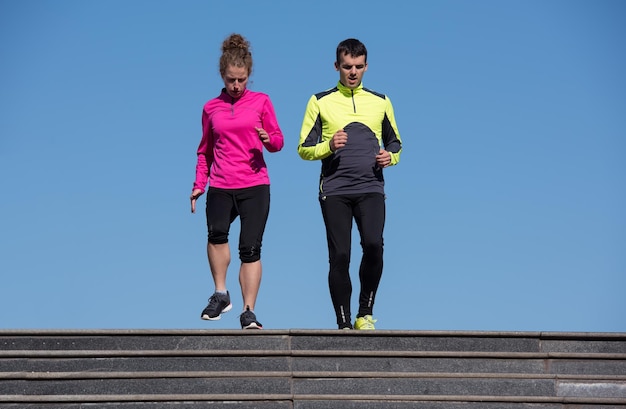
(310,369)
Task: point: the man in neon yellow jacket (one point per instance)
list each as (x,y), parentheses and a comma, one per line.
(353,131)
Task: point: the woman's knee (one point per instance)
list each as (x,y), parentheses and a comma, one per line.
(218,236)
(249,254)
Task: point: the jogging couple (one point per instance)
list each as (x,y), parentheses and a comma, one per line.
(349,128)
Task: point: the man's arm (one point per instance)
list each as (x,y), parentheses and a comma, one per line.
(312,144)
(391,135)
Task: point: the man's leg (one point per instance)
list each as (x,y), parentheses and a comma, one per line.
(337,214)
(370,218)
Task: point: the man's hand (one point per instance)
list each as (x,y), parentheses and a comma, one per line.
(383,159)
(339,140)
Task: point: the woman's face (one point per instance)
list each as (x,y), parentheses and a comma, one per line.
(235,80)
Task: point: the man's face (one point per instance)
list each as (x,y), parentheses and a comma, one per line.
(351,70)
(235,80)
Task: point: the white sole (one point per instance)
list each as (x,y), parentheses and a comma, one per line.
(226,309)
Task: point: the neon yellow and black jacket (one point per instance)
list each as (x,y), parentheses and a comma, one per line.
(367,117)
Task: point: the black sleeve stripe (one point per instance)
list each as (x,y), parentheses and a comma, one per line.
(322,94)
(390,139)
(315,134)
(378,94)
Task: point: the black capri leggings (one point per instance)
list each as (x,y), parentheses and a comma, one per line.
(251,204)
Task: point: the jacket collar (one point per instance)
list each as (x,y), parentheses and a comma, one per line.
(349,91)
(224,96)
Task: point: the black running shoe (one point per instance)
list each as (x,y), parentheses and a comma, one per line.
(248,320)
(218,303)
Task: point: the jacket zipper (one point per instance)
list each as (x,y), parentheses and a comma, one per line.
(353,103)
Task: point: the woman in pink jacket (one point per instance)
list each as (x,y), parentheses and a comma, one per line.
(236,126)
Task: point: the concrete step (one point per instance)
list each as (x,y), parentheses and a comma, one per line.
(313,340)
(311,369)
(330,404)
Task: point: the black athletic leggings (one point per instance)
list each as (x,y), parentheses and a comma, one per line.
(368,210)
(251,204)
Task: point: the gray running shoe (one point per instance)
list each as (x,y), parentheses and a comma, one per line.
(248,320)
(218,303)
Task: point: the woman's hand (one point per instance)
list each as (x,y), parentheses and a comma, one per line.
(195,194)
(263,135)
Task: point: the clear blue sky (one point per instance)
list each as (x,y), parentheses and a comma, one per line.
(507,211)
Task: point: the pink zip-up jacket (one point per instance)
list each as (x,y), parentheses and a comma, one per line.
(230,154)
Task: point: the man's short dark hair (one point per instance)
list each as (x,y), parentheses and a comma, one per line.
(351,46)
